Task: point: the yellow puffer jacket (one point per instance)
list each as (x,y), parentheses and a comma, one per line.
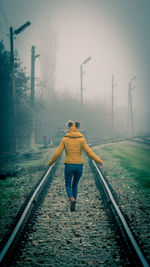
(73,143)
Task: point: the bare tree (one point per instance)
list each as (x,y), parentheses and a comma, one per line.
(48,51)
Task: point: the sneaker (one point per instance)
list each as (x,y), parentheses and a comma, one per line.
(72,204)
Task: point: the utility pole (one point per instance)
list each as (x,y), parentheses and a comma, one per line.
(81,83)
(13,95)
(12,89)
(130,107)
(32,74)
(129,91)
(112,101)
(81,73)
(33,57)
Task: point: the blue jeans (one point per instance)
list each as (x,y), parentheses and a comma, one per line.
(73,173)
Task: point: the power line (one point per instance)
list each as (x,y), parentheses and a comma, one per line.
(21,46)
(4,15)
(2,31)
(67,69)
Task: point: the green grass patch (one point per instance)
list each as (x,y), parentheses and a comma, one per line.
(13,190)
(133,160)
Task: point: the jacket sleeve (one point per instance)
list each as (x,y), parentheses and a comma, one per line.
(90,153)
(57,154)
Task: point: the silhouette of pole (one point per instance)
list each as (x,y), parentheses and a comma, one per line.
(81,73)
(13,95)
(32,74)
(129,91)
(81,83)
(13,90)
(130,107)
(33,57)
(112,103)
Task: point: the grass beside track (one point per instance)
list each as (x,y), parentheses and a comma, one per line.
(127,169)
(132,160)
(14,190)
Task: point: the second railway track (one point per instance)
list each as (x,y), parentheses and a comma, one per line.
(82,238)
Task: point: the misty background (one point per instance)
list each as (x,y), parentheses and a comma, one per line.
(114,33)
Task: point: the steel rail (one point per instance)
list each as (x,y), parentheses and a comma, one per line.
(23,216)
(106,141)
(140,140)
(123,221)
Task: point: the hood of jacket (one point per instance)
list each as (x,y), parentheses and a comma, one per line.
(73,132)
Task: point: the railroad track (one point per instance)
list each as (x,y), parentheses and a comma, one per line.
(106,141)
(141,140)
(25,216)
(136,139)
(135,253)
(82,238)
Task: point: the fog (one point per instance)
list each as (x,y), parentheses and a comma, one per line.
(115,34)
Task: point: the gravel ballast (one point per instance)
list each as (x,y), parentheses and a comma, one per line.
(133,199)
(64,238)
(81,238)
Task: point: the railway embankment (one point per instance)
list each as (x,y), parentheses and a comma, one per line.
(126,166)
(127,170)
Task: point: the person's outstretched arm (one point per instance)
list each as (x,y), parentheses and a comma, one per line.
(90,153)
(57,154)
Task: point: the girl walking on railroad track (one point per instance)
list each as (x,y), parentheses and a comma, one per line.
(73,143)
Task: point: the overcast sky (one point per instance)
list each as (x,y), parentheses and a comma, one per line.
(115,33)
